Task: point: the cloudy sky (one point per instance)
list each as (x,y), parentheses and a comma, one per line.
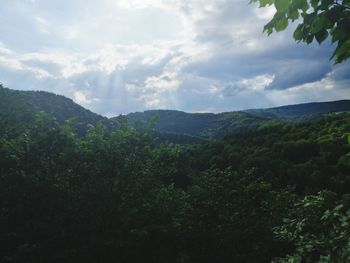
(120,56)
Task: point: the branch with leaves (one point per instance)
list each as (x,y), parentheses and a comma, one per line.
(319,19)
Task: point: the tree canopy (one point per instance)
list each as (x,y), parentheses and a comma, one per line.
(278,192)
(319,19)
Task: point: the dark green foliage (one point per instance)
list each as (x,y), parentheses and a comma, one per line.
(304,111)
(176,126)
(229,218)
(318,225)
(320,19)
(310,156)
(175,121)
(18,109)
(277,191)
(181,127)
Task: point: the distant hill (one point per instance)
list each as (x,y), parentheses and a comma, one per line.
(18,108)
(212,126)
(305,110)
(204,125)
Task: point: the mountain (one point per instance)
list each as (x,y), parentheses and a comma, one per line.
(18,108)
(305,110)
(213,126)
(203,125)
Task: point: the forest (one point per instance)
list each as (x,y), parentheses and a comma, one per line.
(109,191)
(254,185)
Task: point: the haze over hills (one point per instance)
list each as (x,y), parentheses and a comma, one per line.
(175,126)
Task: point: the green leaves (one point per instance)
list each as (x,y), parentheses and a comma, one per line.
(314,3)
(321,36)
(319,23)
(342,52)
(282,5)
(281,24)
(298,33)
(293,14)
(320,19)
(318,229)
(266,2)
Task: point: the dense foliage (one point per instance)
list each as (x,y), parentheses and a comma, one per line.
(319,19)
(214,126)
(276,193)
(18,109)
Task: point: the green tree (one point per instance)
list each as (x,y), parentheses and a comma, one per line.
(319,19)
(318,228)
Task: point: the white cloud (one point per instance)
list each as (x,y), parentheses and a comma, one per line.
(14,64)
(116,56)
(84,98)
(258,83)
(4,50)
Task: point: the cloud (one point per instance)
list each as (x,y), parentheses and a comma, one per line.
(116,56)
(258,83)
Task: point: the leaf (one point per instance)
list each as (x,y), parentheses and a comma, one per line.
(325,4)
(341,50)
(298,33)
(349,139)
(265,2)
(293,15)
(282,5)
(309,39)
(269,31)
(314,3)
(319,22)
(309,18)
(300,4)
(305,7)
(281,24)
(337,34)
(334,14)
(268,28)
(321,36)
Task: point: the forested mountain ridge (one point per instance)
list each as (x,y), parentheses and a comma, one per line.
(304,110)
(20,108)
(205,125)
(213,126)
(171,125)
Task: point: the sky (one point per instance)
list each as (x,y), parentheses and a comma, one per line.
(119,56)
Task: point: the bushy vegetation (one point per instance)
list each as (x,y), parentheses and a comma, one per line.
(216,126)
(276,193)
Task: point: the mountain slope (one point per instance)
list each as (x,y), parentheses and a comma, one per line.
(305,110)
(205,125)
(212,126)
(18,108)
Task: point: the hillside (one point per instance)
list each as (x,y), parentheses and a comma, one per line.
(305,110)
(213,126)
(19,108)
(204,125)
(276,192)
